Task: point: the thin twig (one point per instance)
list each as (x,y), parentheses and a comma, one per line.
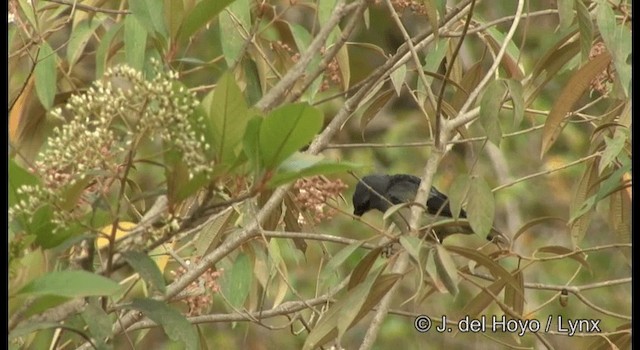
(88,8)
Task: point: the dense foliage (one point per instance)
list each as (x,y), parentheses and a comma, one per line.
(180,173)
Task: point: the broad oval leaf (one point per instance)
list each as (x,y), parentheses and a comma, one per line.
(481,206)
(236,281)
(490,105)
(458,193)
(286,130)
(228,115)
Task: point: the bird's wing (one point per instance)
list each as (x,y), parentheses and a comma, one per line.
(402,189)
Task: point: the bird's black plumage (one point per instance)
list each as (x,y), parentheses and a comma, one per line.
(396,189)
(380,192)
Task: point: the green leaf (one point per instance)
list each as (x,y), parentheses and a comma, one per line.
(509,61)
(199,16)
(235,24)
(98,322)
(45,75)
(397,78)
(236,280)
(446,269)
(70,284)
(43,303)
(617,38)
(325,9)
(481,206)
(135,42)
(209,232)
(105,46)
(565,12)
(174,324)
(432,271)
(80,36)
(251,143)
(301,165)
(458,193)
(286,130)
(27,328)
(342,58)
(517,98)
(614,146)
(146,267)
(48,235)
(150,13)
(228,115)
(18,176)
(301,36)
(614,181)
(174,13)
(490,105)
(584,193)
(412,245)
(586,28)
(434,57)
(431,10)
(339,258)
(350,308)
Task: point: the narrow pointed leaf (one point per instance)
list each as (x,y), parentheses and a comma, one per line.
(175,325)
(575,88)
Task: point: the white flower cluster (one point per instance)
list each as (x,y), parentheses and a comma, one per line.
(102,127)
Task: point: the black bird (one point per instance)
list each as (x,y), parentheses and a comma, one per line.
(402,188)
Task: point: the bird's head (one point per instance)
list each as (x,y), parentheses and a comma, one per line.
(364,199)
